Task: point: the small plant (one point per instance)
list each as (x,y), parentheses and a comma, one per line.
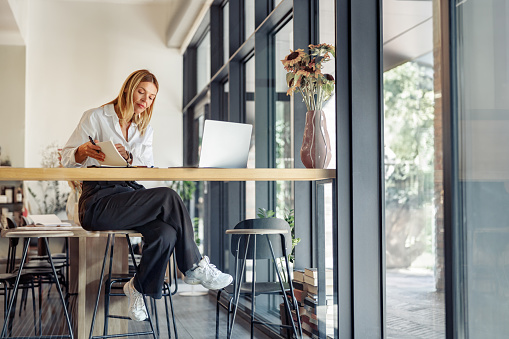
(196,225)
(183,188)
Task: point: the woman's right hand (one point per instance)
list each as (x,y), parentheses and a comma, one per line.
(89,150)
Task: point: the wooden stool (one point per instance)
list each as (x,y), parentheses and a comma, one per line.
(44,235)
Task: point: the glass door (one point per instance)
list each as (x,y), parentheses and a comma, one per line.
(480,168)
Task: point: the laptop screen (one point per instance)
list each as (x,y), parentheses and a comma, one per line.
(225,144)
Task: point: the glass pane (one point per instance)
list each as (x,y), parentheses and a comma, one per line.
(250,119)
(327,36)
(249,19)
(413,173)
(226,32)
(283,40)
(482,116)
(203,63)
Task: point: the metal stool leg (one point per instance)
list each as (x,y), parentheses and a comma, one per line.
(99,288)
(59,290)
(236,288)
(15,290)
(144,298)
(173,314)
(285,299)
(253,283)
(107,290)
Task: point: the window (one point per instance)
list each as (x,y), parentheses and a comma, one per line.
(249,19)
(480,51)
(283,111)
(226,32)
(203,62)
(413,219)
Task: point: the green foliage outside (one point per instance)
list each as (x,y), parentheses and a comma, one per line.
(409,134)
(183,188)
(290,219)
(409,160)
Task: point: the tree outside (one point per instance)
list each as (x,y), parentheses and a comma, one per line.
(409,156)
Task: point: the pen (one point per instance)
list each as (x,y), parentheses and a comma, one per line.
(93,143)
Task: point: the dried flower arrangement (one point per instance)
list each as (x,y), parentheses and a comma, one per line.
(305,74)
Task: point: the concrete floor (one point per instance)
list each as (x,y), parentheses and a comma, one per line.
(413,308)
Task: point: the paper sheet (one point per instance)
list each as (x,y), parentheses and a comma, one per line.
(113,158)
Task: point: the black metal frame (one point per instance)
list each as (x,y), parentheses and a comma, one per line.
(455,299)
(359,186)
(111,241)
(16,285)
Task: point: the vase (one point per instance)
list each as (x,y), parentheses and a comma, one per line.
(316,150)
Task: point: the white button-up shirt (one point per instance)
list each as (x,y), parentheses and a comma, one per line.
(102,124)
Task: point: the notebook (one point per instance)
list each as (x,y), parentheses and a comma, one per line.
(225,144)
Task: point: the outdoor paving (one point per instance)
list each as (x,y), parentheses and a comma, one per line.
(414,308)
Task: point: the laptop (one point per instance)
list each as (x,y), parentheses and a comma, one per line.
(225,144)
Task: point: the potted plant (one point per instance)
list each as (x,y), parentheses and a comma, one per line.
(304,73)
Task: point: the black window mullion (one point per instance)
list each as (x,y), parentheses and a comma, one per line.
(216,39)
(359,184)
(262,9)
(189,69)
(236,22)
(264,117)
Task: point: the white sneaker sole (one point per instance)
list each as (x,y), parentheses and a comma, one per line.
(216,286)
(191,281)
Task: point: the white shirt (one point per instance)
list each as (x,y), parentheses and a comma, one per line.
(102,124)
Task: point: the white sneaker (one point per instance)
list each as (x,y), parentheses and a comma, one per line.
(208,275)
(137,310)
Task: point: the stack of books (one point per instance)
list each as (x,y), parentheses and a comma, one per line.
(311,310)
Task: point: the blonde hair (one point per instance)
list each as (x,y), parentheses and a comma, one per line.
(124,101)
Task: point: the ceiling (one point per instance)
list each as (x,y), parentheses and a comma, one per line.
(407,31)
(407,26)
(186,18)
(9,31)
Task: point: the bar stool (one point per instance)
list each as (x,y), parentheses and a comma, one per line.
(122,278)
(44,235)
(244,246)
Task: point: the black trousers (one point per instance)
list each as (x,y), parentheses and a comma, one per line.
(157,213)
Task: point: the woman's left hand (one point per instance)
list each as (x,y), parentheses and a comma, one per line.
(123,152)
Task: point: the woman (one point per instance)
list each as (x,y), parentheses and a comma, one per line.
(157,213)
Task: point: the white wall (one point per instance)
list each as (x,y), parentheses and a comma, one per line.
(79,53)
(12,97)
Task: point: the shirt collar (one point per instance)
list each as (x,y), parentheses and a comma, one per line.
(109,110)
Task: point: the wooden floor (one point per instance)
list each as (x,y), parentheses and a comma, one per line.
(195,317)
